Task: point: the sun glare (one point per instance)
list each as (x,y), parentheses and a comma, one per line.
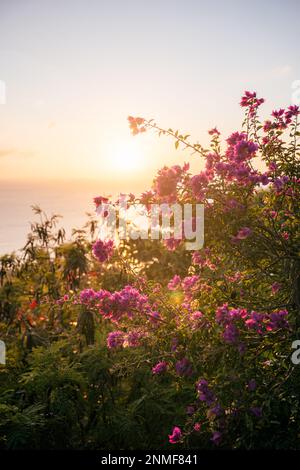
(125,157)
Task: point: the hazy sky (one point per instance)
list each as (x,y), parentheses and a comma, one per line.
(74,70)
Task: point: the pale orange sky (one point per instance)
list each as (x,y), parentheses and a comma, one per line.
(74,70)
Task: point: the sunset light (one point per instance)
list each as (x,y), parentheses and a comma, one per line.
(149,232)
(125,157)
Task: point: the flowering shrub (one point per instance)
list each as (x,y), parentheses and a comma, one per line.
(149,345)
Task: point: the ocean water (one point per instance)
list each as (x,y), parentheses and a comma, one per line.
(69,199)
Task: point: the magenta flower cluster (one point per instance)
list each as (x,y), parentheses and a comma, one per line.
(233,319)
(126,302)
(167,180)
(103,250)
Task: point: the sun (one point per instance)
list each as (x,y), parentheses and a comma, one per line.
(124,157)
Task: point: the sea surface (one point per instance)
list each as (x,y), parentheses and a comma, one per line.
(72,200)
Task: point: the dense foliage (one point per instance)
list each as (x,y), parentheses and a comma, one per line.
(147,345)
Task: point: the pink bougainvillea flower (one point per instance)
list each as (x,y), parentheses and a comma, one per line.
(244,150)
(126,302)
(273,214)
(199,259)
(235,137)
(176,435)
(86,296)
(103,250)
(196,316)
(166,182)
(132,338)
(277,320)
(136,124)
(199,185)
(272,166)
(190,283)
(115,339)
(247,98)
(160,368)
(214,131)
(222,314)
(172,243)
(285,235)
(197,427)
(146,198)
(278,113)
(292,111)
(279,183)
(98,200)
(154,317)
(242,234)
(250,101)
(174,283)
